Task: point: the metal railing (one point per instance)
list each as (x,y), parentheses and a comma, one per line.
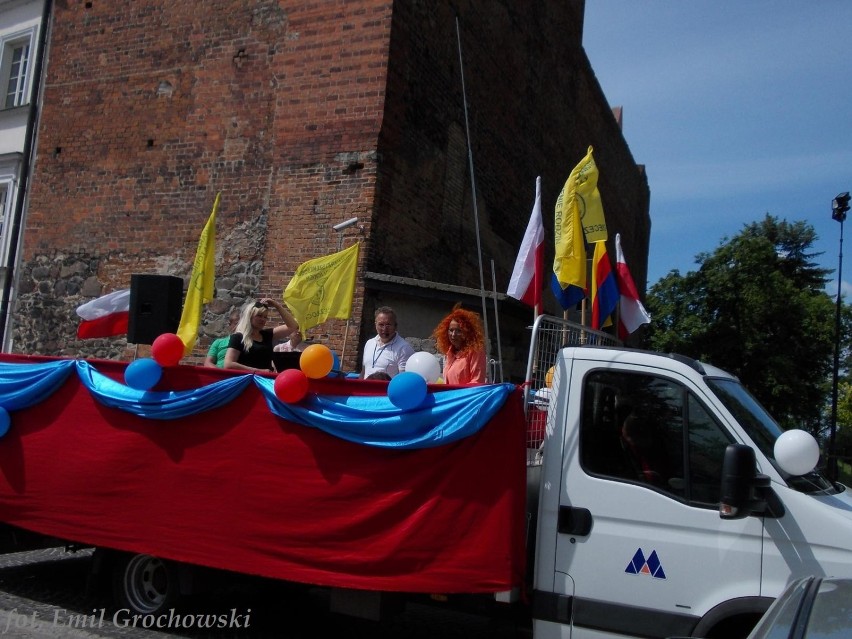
(549,336)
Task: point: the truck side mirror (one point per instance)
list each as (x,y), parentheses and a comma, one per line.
(741,484)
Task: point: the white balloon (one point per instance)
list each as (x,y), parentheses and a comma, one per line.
(424,364)
(796,452)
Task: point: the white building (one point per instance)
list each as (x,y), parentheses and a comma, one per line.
(20,23)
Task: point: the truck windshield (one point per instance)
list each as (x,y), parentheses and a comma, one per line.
(763,431)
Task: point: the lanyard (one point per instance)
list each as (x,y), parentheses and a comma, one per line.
(377,355)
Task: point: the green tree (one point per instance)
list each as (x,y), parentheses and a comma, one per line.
(756,307)
(844,421)
(843,437)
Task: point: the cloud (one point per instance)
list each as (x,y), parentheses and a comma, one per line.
(730,176)
(845,290)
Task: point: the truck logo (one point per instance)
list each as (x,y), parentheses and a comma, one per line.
(650,566)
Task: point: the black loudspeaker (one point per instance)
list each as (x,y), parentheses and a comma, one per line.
(156,302)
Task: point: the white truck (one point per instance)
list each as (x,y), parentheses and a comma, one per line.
(657,503)
(662,509)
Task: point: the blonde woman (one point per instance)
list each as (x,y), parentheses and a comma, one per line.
(250,347)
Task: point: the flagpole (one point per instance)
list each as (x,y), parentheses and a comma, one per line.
(346,330)
(340,228)
(537,277)
(497,325)
(473,197)
(345,339)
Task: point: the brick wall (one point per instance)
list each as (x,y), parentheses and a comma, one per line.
(304,115)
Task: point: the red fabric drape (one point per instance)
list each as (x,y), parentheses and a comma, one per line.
(240,489)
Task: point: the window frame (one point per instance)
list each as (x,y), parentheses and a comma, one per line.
(9,182)
(686,395)
(8,43)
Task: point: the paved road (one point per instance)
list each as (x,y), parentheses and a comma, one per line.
(43,594)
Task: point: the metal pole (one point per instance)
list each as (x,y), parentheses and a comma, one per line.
(499,367)
(346,330)
(473,191)
(832,457)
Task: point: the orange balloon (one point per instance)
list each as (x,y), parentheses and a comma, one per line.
(316,361)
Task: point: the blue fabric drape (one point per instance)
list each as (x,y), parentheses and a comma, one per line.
(444,417)
(160,404)
(24,385)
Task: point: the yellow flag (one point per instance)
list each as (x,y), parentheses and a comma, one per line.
(588,199)
(200,289)
(322,288)
(569,263)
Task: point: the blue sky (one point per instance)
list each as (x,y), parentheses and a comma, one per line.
(736,109)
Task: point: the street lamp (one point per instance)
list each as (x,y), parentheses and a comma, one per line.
(839,207)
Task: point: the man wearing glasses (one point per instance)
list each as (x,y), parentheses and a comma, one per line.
(387,352)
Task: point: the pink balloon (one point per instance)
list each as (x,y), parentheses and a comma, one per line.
(167,349)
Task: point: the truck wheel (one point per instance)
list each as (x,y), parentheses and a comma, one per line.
(145,584)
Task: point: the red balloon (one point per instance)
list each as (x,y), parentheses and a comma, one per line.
(167,349)
(291,385)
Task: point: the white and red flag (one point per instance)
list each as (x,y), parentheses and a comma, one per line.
(632,313)
(527,276)
(105,316)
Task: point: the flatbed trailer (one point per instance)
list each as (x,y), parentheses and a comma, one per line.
(210,469)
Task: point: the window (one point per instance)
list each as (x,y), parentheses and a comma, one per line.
(651,430)
(17,76)
(7,204)
(15,68)
(707,444)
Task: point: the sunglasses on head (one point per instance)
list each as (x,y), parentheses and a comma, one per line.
(260,305)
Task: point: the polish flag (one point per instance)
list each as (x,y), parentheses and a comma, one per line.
(632,314)
(527,276)
(105,316)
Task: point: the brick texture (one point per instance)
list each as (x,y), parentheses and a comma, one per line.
(305,114)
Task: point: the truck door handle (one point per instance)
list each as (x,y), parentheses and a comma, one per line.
(574,521)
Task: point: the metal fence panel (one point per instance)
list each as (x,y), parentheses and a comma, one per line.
(549,336)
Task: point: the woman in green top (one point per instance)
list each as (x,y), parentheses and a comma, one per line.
(218,347)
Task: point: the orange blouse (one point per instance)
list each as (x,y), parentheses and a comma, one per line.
(464,368)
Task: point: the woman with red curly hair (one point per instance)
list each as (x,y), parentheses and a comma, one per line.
(460,338)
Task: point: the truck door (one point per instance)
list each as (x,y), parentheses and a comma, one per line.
(645,471)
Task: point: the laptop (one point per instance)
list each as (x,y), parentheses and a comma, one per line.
(283,361)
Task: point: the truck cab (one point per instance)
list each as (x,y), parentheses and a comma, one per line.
(630,537)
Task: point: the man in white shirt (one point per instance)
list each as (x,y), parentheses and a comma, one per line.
(387,351)
(292,345)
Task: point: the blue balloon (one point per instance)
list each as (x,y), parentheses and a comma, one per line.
(407,390)
(335,366)
(5,420)
(143,374)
